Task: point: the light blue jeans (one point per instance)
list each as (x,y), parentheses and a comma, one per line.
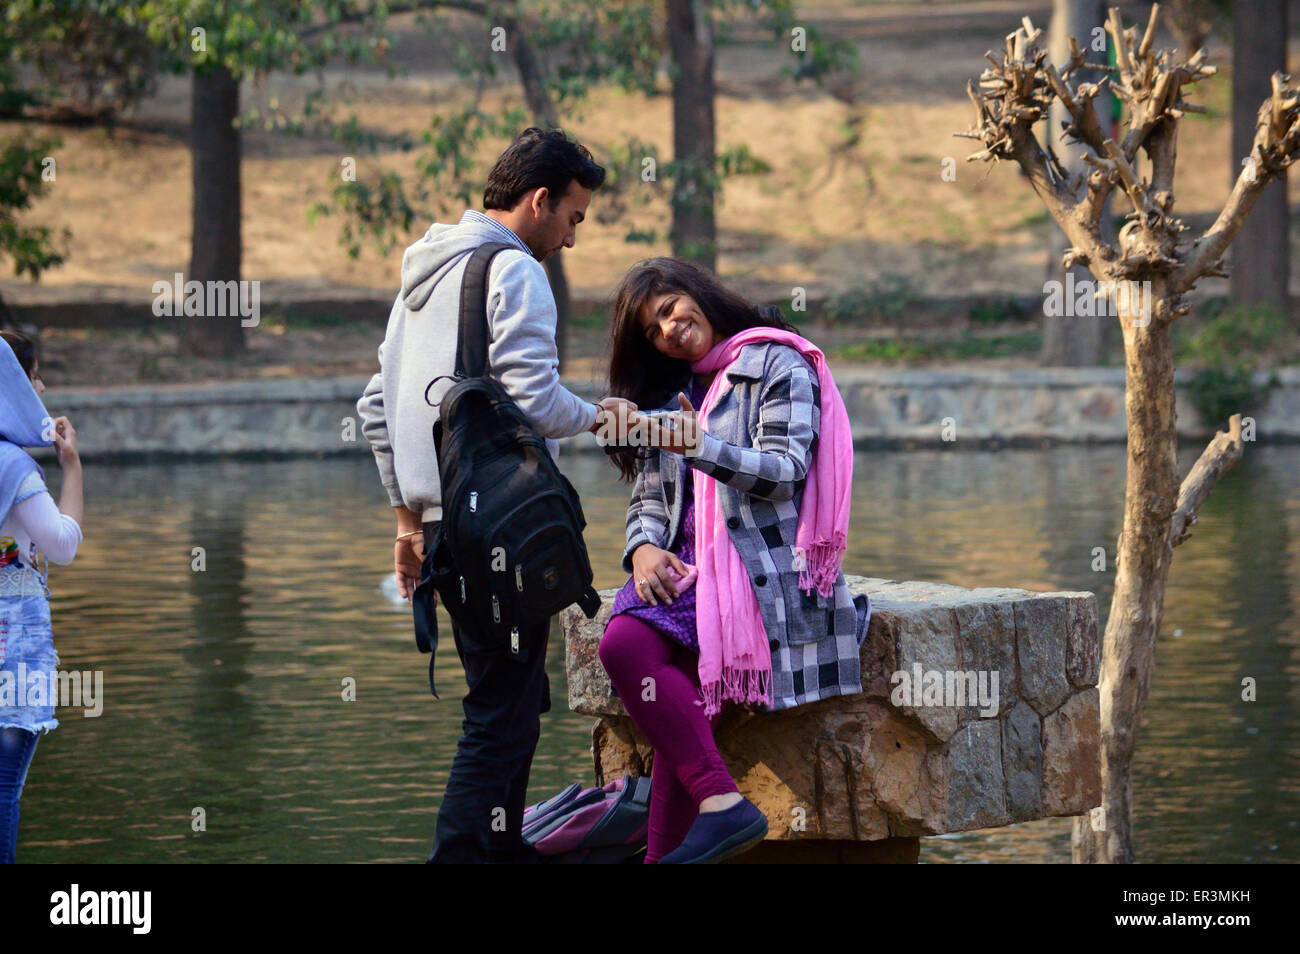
(26,647)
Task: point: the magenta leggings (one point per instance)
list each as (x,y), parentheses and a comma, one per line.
(687,767)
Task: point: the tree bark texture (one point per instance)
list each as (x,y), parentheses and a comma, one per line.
(216,244)
(694,231)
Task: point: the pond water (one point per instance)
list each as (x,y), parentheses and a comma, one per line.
(223,688)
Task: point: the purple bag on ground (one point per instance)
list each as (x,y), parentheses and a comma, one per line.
(593,825)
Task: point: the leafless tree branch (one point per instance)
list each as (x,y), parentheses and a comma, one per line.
(1219,457)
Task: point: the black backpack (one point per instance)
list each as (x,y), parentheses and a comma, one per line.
(508,552)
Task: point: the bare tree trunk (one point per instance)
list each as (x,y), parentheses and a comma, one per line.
(1151,271)
(694,231)
(1260,252)
(1141,572)
(547,116)
(563,305)
(216,247)
(1070,341)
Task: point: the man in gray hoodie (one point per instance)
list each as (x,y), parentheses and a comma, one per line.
(536,195)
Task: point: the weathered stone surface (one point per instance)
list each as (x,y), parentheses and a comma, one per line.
(590,691)
(1022,762)
(1042,625)
(1072,755)
(860,768)
(619,749)
(925,639)
(976,794)
(1082,645)
(987,644)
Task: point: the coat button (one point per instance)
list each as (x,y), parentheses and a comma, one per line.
(733,522)
(760,580)
(775,644)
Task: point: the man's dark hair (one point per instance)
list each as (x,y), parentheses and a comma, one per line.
(536,159)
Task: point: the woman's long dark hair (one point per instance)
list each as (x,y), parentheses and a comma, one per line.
(24,349)
(648,377)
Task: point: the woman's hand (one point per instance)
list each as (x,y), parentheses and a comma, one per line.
(65,442)
(677,433)
(650,570)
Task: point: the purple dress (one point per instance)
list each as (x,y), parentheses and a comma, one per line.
(677,621)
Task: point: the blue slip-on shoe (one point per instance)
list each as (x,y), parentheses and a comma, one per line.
(718,835)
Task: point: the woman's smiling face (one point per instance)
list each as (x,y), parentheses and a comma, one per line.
(673,323)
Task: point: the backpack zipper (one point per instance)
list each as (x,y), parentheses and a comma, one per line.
(514,639)
(462,591)
(473,501)
(496,609)
(519,577)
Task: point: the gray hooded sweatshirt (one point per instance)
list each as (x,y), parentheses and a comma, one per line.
(421,341)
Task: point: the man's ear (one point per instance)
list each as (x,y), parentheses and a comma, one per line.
(540,195)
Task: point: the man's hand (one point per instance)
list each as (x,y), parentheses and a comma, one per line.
(612,421)
(408,555)
(408,551)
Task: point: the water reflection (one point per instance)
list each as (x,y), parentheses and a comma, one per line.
(224,687)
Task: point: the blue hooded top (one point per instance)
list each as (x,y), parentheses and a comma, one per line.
(24,422)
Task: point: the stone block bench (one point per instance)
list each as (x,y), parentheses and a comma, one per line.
(862,778)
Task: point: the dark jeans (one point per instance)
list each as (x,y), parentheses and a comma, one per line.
(481,815)
(17,746)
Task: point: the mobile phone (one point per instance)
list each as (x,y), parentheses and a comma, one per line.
(660,416)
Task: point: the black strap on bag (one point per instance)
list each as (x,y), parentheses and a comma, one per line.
(472,352)
(456,444)
(471,361)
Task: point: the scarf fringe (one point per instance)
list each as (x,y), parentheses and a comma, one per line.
(740,685)
(819,564)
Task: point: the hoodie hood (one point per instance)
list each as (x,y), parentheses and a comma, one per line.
(22,415)
(438,252)
(22,424)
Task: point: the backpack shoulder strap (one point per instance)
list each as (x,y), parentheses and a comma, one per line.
(471,355)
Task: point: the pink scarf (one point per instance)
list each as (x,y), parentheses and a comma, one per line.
(735,657)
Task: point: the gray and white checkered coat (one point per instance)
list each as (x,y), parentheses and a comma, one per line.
(758,443)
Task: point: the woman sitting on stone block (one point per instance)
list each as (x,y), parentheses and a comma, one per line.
(735,535)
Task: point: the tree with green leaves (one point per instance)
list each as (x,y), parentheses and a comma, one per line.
(220,43)
(26,168)
(560,50)
(695,27)
(89,64)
